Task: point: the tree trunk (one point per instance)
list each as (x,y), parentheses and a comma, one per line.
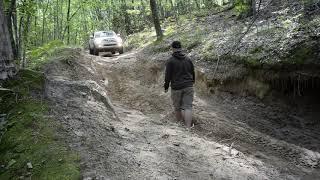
(127,18)
(43,22)
(7,68)
(197,5)
(154,10)
(20,37)
(253,10)
(10,18)
(16,35)
(68,21)
(25,40)
(56,21)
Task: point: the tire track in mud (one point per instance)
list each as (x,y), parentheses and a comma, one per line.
(132,136)
(252,139)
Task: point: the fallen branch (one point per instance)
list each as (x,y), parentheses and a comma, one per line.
(6,90)
(230,149)
(215,70)
(236,47)
(224,140)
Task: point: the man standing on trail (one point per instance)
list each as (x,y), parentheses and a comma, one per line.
(180,73)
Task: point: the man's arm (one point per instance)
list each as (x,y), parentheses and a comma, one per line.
(192,72)
(168,76)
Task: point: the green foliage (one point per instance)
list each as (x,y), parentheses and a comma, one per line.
(241,7)
(31,136)
(183,19)
(207,11)
(140,40)
(133,12)
(192,39)
(202,13)
(208,46)
(309,2)
(256,50)
(170,30)
(47,21)
(252,62)
(25,82)
(209,56)
(39,56)
(160,46)
(301,55)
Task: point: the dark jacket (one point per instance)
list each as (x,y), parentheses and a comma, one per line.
(179,72)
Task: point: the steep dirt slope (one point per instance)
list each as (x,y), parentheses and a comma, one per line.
(277,50)
(132,136)
(266,130)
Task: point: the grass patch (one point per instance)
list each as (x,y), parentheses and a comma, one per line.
(30,135)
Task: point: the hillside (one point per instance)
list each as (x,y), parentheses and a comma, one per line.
(70,113)
(280,45)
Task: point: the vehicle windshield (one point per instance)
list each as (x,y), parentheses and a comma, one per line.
(104,34)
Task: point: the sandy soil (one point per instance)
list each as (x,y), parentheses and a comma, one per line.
(118,118)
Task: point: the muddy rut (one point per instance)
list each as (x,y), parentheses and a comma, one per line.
(116,115)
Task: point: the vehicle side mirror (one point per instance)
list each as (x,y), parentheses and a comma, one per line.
(118,35)
(91,37)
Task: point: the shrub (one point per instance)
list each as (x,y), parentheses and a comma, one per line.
(38,56)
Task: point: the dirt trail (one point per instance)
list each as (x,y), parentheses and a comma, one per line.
(118,119)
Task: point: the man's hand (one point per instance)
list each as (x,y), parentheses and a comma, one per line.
(166,90)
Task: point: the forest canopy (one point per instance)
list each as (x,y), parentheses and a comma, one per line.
(33,23)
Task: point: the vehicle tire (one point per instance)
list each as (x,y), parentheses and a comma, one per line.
(95,52)
(121,51)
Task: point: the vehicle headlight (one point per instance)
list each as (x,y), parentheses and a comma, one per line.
(98,42)
(119,41)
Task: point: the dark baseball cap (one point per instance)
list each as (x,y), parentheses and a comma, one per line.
(176,45)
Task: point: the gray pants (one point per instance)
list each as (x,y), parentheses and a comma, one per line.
(182,99)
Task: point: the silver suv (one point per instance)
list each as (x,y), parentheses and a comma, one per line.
(105,41)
